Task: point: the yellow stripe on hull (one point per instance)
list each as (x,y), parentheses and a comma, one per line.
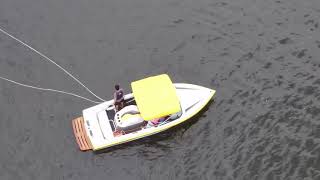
(157,129)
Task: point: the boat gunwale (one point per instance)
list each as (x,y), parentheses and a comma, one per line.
(165,126)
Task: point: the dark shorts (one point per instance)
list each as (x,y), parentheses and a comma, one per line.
(118,103)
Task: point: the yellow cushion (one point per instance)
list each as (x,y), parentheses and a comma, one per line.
(128,116)
(155,97)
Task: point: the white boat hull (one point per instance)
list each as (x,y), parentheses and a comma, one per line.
(99,131)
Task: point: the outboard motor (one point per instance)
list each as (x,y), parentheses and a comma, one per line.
(128,118)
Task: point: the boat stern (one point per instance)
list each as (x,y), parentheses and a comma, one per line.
(80,134)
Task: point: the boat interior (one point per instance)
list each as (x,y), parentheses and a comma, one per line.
(147,124)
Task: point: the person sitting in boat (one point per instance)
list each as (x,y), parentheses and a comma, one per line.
(157,121)
(118,98)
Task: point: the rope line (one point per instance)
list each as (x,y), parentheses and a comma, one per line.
(46,89)
(48,59)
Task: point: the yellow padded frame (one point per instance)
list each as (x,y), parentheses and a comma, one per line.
(155,97)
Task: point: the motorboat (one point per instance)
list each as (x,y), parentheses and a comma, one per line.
(155,105)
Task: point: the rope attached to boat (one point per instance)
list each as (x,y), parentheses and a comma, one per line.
(46,89)
(53,62)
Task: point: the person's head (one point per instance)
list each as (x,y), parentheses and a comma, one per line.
(117,87)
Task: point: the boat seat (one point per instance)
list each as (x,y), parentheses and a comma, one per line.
(128,118)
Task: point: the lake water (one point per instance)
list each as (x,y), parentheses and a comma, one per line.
(262,57)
